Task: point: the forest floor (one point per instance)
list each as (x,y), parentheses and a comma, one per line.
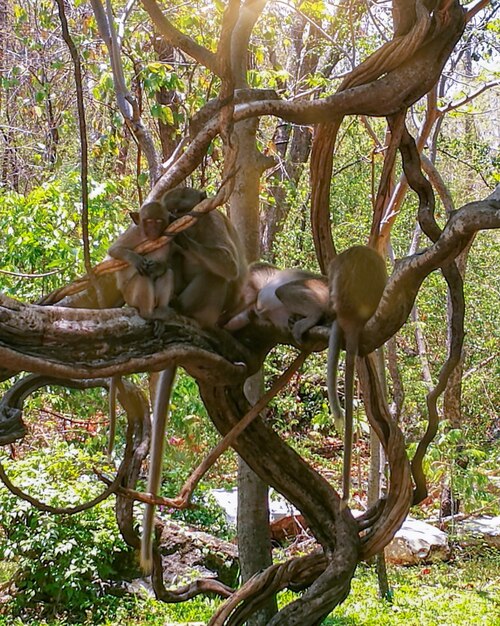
(463,592)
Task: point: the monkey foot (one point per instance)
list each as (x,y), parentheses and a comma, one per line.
(164,313)
(160,317)
(11,425)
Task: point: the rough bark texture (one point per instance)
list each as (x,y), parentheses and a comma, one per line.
(254,540)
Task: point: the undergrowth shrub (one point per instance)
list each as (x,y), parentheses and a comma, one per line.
(60,563)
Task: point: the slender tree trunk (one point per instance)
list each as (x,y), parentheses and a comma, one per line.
(168,98)
(254,536)
(293,143)
(376,481)
(452,400)
(254,539)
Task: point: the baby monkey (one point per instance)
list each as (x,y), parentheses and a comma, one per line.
(147,284)
(357,280)
(282,297)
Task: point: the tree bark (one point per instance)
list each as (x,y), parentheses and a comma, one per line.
(254,538)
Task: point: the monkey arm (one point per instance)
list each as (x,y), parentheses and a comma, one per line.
(213,243)
(122,249)
(220,260)
(145,266)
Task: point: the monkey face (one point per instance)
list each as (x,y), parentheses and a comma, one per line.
(153,227)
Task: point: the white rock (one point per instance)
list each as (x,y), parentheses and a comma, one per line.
(485,528)
(228,499)
(417,542)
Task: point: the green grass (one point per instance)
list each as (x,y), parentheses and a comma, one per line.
(463,593)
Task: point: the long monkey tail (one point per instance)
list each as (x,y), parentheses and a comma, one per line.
(331,376)
(351,341)
(160,411)
(112,393)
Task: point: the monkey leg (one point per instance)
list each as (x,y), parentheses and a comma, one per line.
(331,376)
(124,276)
(269,307)
(163,292)
(301,327)
(139,292)
(203,299)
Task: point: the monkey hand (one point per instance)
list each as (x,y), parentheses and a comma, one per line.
(150,268)
(156,268)
(140,263)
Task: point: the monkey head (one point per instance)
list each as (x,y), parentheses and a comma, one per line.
(181,200)
(152,219)
(155,216)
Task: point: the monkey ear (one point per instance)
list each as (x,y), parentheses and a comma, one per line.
(135,217)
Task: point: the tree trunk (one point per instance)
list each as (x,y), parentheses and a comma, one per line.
(254,539)
(166,97)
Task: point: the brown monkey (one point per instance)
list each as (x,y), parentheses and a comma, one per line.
(181,200)
(148,283)
(307,299)
(258,276)
(209,268)
(357,279)
(280,297)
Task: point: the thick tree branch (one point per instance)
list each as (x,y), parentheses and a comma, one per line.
(82,343)
(85,343)
(178,39)
(281,467)
(393,92)
(410,272)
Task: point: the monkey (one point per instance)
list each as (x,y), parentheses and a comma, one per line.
(258,276)
(181,200)
(148,283)
(209,269)
(306,299)
(357,279)
(280,297)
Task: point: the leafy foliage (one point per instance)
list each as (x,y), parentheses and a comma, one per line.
(41,231)
(61,561)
